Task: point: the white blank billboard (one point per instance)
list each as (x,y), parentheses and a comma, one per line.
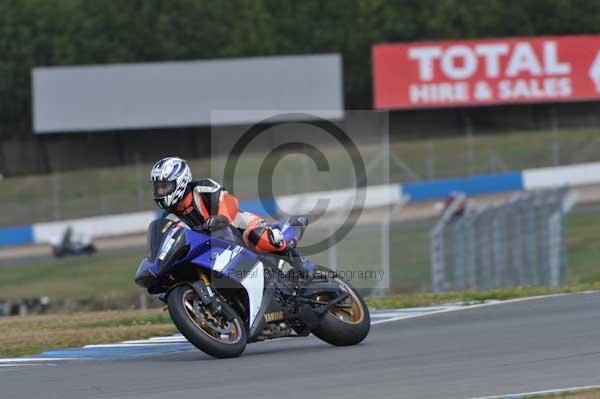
(171,94)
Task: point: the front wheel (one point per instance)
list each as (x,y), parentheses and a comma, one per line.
(210,333)
(347,324)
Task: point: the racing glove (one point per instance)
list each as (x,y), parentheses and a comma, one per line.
(215,223)
(275,237)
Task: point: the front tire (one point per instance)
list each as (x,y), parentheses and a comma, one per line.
(210,334)
(343,326)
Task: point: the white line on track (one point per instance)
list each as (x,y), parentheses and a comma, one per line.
(32,359)
(455,308)
(169,340)
(130,345)
(539,393)
(415,315)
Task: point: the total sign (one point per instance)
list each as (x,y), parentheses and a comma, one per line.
(484,72)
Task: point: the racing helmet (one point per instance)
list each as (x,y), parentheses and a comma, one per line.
(170,177)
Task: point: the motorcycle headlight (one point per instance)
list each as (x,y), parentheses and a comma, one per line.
(143,276)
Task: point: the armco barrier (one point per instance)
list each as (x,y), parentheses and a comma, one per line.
(99,226)
(571,175)
(376,196)
(476,185)
(258,207)
(16,235)
(102,226)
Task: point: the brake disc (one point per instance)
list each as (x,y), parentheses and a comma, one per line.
(218,324)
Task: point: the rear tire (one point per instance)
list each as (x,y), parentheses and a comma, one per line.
(340,328)
(199,333)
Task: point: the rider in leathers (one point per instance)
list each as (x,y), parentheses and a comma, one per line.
(205,204)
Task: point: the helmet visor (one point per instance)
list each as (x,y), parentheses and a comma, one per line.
(163,188)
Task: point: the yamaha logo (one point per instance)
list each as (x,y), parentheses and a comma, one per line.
(273,316)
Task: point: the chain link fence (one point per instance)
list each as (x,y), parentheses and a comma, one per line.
(519,242)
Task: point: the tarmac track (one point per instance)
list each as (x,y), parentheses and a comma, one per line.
(513,347)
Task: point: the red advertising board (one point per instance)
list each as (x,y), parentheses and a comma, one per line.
(486,72)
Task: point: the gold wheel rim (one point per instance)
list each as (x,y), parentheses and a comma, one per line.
(351,315)
(231,338)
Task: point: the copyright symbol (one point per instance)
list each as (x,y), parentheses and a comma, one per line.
(266,170)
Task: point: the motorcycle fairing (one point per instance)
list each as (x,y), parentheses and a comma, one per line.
(254,283)
(234,262)
(268,306)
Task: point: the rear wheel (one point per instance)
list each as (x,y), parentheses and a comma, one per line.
(210,333)
(346,324)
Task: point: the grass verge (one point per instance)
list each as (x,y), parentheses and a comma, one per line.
(587,394)
(35,334)
(430,298)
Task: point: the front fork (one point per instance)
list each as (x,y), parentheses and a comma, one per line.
(209,298)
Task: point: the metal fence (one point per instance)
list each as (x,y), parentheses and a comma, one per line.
(519,242)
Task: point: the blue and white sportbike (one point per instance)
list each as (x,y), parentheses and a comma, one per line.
(222,295)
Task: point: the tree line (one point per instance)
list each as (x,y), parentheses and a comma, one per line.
(76,32)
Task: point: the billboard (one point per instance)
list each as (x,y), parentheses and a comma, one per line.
(172,94)
(486,72)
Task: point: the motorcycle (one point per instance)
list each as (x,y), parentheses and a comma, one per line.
(73,244)
(221,295)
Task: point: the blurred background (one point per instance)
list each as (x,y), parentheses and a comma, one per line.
(462,112)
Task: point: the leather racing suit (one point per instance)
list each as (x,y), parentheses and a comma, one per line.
(206,204)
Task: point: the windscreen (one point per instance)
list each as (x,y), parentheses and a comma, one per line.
(155,236)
